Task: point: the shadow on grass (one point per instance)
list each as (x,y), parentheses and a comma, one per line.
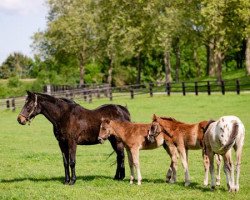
(53,179)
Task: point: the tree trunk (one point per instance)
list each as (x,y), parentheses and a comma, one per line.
(218,62)
(167,67)
(110,71)
(82,69)
(212,65)
(248,55)
(178,59)
(208,60)
(139,63)
(197,64)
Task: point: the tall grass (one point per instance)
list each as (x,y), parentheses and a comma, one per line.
(31,166)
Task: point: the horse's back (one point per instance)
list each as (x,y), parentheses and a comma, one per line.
(113,111)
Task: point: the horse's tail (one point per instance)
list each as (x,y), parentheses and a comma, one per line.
(205,126)
(231,140)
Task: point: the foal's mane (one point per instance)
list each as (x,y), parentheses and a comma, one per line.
(170,119)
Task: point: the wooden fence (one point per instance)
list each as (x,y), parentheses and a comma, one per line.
(131,91)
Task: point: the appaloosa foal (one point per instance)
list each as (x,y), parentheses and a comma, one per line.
(134,137)
(219,138)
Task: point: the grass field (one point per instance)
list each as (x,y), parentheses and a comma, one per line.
(31,166)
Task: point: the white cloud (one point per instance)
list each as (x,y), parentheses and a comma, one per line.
(21,7)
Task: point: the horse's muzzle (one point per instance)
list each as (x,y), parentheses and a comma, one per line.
(100,140)
(21,119)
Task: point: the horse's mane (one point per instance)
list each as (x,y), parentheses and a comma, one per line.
(170,119)
(55,99)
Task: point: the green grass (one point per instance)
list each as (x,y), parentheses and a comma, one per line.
(31,164)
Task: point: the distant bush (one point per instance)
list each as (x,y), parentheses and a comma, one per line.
(14,82)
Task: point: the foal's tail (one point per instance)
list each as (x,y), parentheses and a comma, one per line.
(231,140)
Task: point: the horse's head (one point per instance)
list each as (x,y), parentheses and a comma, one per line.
(105,130)
(154,130)
(30,109)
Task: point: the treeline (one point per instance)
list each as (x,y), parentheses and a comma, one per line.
(126,42)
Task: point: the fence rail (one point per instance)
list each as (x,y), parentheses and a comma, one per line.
(131,91)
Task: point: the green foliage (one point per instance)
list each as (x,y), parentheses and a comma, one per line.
(16,64)
(14,82)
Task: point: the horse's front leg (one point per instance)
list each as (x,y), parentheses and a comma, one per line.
(119,149)
(183,155)
(172,152)
(131,166)
(65,154)
(72,161)
(206,166)
(135,156)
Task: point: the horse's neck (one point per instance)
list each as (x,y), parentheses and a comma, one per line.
(118,128)
(53,111)
(167,125)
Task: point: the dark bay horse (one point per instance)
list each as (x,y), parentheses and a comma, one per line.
(74,125)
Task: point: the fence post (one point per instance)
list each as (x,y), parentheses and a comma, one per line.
(151,89)
(183,89)
(8,104)
(196,88)
(71,95)
(98,92)
(90,96)
(110,94)
(85,95)
(223,87)
(238,86)
(131,93)
(168,88)
(13,104)
(208,88)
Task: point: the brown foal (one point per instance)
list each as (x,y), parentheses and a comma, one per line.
(134,137)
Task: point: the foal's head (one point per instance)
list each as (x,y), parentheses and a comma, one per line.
(30,109)
(105,130)
(154,130)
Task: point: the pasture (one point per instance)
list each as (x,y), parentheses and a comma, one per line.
(31,165)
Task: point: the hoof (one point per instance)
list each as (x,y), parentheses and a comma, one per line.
(72,182)
(218,182)
(212,188)
(205,183)
(237,188)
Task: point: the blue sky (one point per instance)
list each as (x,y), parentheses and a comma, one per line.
(19,20)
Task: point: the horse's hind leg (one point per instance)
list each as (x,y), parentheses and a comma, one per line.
(65,153)
(206,164)
(72,161)
(229,170)
(238,163)
(119,149)
(218,162)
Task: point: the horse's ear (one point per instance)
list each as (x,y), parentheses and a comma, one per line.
(154,117)
(28,93)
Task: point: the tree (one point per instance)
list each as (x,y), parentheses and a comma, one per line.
(70,32)
(220,20)
(16,64)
